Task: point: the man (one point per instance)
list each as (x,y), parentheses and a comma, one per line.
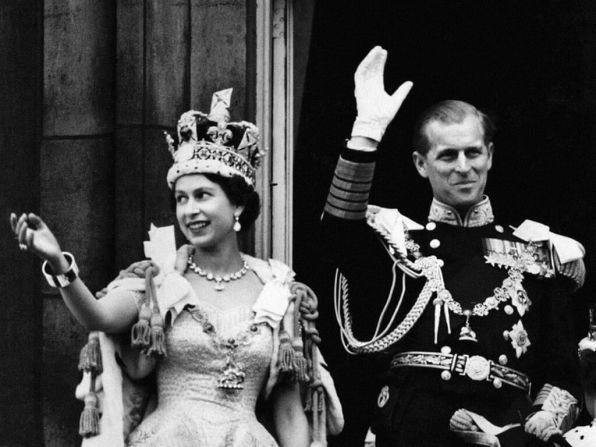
(473,345)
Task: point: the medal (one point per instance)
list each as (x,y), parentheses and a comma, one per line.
(466,333)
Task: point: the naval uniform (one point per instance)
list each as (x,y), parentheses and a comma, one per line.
(485,330)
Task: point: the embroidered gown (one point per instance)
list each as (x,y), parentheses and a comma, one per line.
(202,342)
(192,410)
(209,351)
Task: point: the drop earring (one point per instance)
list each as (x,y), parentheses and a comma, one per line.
(237,226)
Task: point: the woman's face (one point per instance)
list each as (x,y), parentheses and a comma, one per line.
(204,212)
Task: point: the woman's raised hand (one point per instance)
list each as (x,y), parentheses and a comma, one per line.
(376,108)
(34,235)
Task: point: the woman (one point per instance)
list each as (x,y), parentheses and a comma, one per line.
(223,312)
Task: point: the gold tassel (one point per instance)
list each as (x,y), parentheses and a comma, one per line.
(301,366)
(300,362)
(157,345)
(89,422)
(158,339)
(321,395)
(90,356)
(309,400)
(321,419)
(141,330)
(286,353)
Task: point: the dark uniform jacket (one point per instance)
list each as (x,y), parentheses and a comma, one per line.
(412,384)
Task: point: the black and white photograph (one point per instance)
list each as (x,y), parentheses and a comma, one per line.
(298,223)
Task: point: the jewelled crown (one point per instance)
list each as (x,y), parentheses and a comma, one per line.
(210,143)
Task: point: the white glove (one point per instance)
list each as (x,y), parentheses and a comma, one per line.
(462,421)
(542,425)
(376,109)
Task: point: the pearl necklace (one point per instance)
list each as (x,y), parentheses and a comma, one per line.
(219,279)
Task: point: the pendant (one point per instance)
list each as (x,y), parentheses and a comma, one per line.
(466,333)
(232,377)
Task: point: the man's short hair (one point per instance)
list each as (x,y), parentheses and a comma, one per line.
(449,112)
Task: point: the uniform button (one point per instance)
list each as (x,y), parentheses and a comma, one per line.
(444,295)
(499,228)
(445,350)
(435,243)
(506,334)
(503,359)
(508,309)
(497,383)
(445,375)
(431,226)
(383,397)
(440,262)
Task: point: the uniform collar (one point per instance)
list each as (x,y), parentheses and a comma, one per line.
(478,215)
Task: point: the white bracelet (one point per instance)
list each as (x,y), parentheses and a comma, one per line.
(64,279)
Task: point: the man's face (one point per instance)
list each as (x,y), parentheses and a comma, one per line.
(457,162)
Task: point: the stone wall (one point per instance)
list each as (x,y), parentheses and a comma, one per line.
(87,91)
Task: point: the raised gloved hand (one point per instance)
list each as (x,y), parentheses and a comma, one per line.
(542,424)
(376,108)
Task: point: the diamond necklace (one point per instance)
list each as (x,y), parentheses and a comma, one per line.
(219,279)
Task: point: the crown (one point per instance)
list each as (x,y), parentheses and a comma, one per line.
(210,143)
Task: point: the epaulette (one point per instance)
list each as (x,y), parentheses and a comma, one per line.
(574,270)
(391,225)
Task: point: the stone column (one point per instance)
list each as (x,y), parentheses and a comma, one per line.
(77,200)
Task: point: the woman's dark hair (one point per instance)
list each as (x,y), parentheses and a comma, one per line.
(239,193)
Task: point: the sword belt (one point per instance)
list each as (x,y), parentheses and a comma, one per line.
(475,367)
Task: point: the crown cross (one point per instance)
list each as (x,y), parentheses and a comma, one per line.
(220,103)
(222,98)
